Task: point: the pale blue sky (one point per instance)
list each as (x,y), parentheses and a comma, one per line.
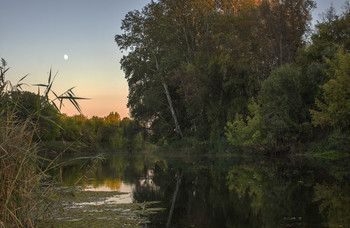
(36,34)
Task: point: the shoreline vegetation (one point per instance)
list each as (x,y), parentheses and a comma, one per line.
(203,77)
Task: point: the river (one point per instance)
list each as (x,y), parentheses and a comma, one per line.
(222,190)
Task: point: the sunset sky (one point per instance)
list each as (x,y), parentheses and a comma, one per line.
(76,39)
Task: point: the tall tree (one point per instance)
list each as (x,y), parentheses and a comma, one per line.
(334,108)
(148,38)
(196,63)
(284,24)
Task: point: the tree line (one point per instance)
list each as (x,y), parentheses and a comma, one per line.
(250,71)
(110,132)
(49,125)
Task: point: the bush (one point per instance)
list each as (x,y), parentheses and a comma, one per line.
(247,131)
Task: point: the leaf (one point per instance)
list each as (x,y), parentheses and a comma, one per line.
(51,121)
(50,83)
(40,85)
(5,70)
(53,103)
(55,95)
(72,97)
(23,78)
(49,79)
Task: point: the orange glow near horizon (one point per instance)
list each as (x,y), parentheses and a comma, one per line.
(98,107)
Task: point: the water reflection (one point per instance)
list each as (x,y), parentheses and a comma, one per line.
(227,191)
(107,186)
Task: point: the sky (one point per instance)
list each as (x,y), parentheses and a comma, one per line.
(75,38)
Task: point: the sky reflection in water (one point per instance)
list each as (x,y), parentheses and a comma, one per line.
(229,191)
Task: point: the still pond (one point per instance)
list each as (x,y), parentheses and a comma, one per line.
(218,191)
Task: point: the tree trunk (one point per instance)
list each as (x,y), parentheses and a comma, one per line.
(171,106)
(170,102)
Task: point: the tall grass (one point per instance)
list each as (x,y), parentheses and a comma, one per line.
(20,198)
(23,199)
(19,176)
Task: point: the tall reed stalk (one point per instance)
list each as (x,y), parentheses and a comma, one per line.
(20,198)
(22,195)
(19,176)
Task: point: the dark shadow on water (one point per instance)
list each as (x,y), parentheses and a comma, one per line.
(229,191)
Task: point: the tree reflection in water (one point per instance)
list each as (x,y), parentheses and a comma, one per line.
(231,191)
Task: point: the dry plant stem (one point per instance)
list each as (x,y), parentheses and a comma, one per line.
(22,198)
(17,174)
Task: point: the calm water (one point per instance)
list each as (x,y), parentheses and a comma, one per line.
(224,191)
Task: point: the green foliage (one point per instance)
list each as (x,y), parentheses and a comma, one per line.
(331,33)
(72,127)
(282,117)
(283,108)
(109,132)
(333,202)
(35,107)
(116,139)
(334,141)
(138,141)
(247,180)
(334,108)
(212,56)
(249,131)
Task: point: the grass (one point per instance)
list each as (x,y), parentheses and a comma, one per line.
(24,189)
(21,199)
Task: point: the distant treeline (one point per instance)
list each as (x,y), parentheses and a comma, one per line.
(247,70)
(110,132)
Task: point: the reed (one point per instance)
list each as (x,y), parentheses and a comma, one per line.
(20,195)
(23,195)
(19,173)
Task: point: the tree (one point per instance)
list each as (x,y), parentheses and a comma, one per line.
(285,23)
(194,64)
(280,118)
(331,33)
(113,119)
(72,127)
(150,58)
(91,129)
(318,62)
(334,108)
(283,108)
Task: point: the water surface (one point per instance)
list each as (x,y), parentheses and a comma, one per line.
(225,190)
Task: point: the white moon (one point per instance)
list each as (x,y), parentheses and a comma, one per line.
(65,57)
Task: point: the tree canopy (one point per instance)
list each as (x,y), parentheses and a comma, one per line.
(192,65)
